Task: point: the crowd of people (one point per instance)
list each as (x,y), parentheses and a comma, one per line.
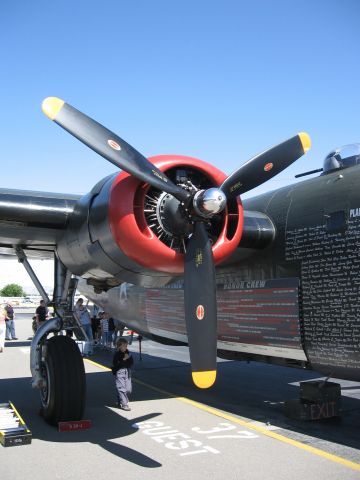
(99,326)
(100,329)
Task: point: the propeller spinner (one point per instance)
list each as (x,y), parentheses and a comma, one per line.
(198,207)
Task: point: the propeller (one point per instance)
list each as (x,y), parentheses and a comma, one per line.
(110,146)
(266,165)
(201,206)
(200,306)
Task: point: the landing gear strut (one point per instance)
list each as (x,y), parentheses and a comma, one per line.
(56,364)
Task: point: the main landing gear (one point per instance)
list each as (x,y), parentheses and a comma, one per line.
(63,392)
(56,363)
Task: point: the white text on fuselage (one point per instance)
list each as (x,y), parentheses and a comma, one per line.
(354,212)
(244,284)
(228,285)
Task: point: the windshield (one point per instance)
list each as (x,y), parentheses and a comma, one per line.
(342,157)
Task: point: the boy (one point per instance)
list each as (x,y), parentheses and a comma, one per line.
(122,363)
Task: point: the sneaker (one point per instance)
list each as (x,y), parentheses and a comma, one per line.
(15,338)
(8,339)
(126,408)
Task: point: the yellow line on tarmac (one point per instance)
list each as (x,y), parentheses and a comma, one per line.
(249,425)
(97,364)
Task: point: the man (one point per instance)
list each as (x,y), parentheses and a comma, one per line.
(2,329)
(83,315)
(10,323)
(95,322)
(41,313)
(119,330)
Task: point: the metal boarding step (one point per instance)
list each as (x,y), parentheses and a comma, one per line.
(13,430)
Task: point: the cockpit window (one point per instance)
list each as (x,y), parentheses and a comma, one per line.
(343,157)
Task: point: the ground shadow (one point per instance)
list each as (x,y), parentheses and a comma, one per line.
(255,391)
(108,425)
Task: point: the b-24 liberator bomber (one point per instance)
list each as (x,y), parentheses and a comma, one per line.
(167,246)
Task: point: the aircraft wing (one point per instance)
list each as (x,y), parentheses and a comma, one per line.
(33,220)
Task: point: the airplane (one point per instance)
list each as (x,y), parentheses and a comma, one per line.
(167,246)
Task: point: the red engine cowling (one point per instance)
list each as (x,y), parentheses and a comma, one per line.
(139,242)
(112,236)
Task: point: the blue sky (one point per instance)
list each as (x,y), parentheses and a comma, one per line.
(220,81)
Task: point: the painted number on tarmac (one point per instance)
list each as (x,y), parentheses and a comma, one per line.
(183,443)
(218,432)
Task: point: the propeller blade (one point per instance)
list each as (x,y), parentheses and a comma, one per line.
(110,146)
(266,165)
(200,307)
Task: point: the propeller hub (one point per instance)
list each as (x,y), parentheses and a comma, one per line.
(209,202)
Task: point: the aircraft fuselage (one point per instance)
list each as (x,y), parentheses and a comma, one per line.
(295,301)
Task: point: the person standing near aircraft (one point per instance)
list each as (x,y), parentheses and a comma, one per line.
(111,332)
(82,314)
(10,322)
(95,322)
(122,363)
(119,330)
(2,329)
(41,313)
(104,327)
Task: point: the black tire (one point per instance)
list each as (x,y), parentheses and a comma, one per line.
(63,398)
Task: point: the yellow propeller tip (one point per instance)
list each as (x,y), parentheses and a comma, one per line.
(204,379)
(51,106)
(305,141)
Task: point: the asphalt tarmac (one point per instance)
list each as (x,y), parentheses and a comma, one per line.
(235,430)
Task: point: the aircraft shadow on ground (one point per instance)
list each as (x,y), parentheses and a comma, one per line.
(255,391)
(108,425)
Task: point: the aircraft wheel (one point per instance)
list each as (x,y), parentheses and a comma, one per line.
(63,396)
